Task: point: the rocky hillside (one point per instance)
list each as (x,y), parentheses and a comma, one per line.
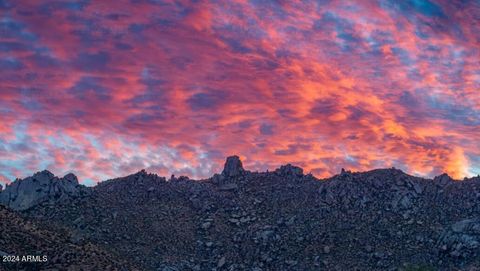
(27,246)
(282,220)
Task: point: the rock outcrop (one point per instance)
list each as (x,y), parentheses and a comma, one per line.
(443,179)
(233,167)
(42,186)
(289,170)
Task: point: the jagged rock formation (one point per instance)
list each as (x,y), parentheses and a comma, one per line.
(42,186)
(282,220)
(233,167)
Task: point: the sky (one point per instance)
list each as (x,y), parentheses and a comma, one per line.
(106,88)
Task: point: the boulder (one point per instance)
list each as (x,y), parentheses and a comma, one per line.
(443,179)
(221,262)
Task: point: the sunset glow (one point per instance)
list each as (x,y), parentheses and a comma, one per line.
(106,89)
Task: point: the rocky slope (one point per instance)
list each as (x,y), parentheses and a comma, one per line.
(282,220)
(38,248)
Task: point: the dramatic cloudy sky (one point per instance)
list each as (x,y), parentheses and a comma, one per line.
(106,88)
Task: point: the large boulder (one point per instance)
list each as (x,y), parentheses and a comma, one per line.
(43,186)
(443,179)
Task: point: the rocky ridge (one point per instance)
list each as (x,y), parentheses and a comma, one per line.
(382,219)
(42,186)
